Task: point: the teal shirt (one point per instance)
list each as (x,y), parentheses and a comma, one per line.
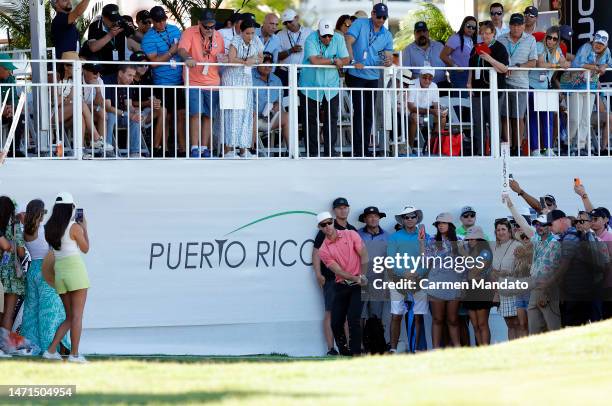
(322,77)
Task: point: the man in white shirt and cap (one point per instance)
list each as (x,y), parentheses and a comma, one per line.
(292,39)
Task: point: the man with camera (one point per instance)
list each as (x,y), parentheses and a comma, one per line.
(107,38)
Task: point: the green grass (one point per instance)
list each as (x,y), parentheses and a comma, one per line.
(573,367)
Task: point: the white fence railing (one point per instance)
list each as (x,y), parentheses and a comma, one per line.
(116,117)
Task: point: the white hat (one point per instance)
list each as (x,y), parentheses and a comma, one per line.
(64,198)
(324,215)
(542,219)
(288,15)
(326,27)
(602,37)
(427,71)
(409,210)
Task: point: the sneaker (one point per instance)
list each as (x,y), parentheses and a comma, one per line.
(136,155)
(4,355)
(535,152)
(195,152)
(231,154)
(205,153)
(332,352)
(158,152)
(247,154)
(79,359)
(101,145)
(549,152)
(54,357)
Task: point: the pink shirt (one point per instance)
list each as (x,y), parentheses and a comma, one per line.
(202,50)
(605,236)
(344,252)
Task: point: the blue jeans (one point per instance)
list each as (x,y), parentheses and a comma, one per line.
(134,132)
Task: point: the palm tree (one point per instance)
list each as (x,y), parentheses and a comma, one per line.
(439,27)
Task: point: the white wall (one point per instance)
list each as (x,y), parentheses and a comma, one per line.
(251,309)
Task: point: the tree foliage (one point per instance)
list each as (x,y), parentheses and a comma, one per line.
(180,10)
(439,27)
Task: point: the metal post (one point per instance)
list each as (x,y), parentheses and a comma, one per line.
(494,110)
(38,43)
(77,106)
(293,112)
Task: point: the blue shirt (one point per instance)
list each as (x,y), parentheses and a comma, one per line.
(414,55)
(261,97)
(159,43)
(549,57)
(322,77)
(369,47)
(585,55)
(402,242)
(273,45)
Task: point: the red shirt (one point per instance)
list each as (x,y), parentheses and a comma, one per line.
(344,251)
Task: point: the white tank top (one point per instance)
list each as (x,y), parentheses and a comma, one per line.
(39,247)
(69,246)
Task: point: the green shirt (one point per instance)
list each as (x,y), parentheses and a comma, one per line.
(462,231)
(15,92)
(322,77)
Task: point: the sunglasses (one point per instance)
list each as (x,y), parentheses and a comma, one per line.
(601,38)
(537,224)
(548,202)
(326,224)
(470,27)
(531,15)
(347,25)
(496,13)
(381,17)
(524,237)
(208,27)
(469,215)
(409,217)
(551,38)
(582,221)
(327,36)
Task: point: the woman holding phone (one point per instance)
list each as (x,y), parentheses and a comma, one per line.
(68,239)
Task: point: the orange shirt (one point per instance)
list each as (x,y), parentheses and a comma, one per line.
(201,50)
(344,252)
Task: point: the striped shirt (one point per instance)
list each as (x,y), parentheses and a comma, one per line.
(159,43)
(520,52)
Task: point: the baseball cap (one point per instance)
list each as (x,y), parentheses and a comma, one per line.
(541,219)
(326,27)
(250,16)
(288,15)
(4,58)
(371,210)
(341,201)
(158,14)
(207,16)
(324,215)
(517,19)
(64,198)
(467,209)
(600,212)
(427,71)
(143,15)
(531,10)
(138,56)
(93,66)
(601,37)
(420,26)
(551,197)
(381,10)
(111,11)
(555,215)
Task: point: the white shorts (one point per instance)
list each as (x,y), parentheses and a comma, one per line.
(421,305)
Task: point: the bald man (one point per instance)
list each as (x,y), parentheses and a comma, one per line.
(267,34)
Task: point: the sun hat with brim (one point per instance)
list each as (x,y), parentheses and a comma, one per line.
(64,198)
(371,210)
(475,233)
(4,62)
(409,210)
(324,215)
(443,218)
(70,56)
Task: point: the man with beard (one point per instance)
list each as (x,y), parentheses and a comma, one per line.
(424,52)
(64,34)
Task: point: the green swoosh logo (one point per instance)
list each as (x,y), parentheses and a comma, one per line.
(284,213)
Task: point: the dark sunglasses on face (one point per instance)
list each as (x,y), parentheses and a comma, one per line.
(381,17)
(208,27)
(548,202)
(470,27)
(551,38)
(423,31)
(582,221)
(326,224)
(468,215)
(496,13)
(347,25)
(409,217)
(327,36)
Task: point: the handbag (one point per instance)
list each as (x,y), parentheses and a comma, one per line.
(21,264)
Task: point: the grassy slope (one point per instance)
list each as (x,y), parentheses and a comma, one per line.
(573,366)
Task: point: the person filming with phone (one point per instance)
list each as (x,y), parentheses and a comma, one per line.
(66,233)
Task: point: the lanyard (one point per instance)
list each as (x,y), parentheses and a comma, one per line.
(321,49)
(298,38)
(206,50)
(247,52)
(166,39)
(511,49)
(372,36)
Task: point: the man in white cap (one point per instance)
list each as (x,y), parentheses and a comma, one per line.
(344,253)
(407,240)
(424,104)
(292,40)
(322,47)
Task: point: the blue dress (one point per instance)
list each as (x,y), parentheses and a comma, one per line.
(440,274)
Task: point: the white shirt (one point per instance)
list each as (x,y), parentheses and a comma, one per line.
(289,39)
(89,91)
(228,34)
(423,98)
(501,31)
(69,246)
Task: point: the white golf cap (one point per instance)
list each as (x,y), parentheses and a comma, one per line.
(326,27)
(541,219)
(427,71)
(602,37)
(288,15)
(64,198)
(324,215)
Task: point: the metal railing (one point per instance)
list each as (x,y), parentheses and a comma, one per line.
(396,118)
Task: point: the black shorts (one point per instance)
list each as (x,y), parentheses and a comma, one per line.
(477,305)
(171,98)
(329,292)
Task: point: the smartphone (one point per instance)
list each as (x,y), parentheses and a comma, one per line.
(510,176)
(78,217)
(577,182)
(542,203)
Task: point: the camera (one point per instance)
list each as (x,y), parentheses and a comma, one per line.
(128,29)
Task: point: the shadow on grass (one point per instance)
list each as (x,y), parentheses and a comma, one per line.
(178,398)
(187,359)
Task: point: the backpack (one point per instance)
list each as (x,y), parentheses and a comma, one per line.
(374,336)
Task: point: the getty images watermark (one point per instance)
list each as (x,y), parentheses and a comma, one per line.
(458,264)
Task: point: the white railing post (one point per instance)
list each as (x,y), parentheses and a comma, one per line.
(294,149)
(77,106)
(590,109)
(188,119)
(494,111)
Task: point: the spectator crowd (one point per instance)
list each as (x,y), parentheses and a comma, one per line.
(233,95)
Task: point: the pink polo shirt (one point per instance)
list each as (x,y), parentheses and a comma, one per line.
(202,50)
(344,252)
